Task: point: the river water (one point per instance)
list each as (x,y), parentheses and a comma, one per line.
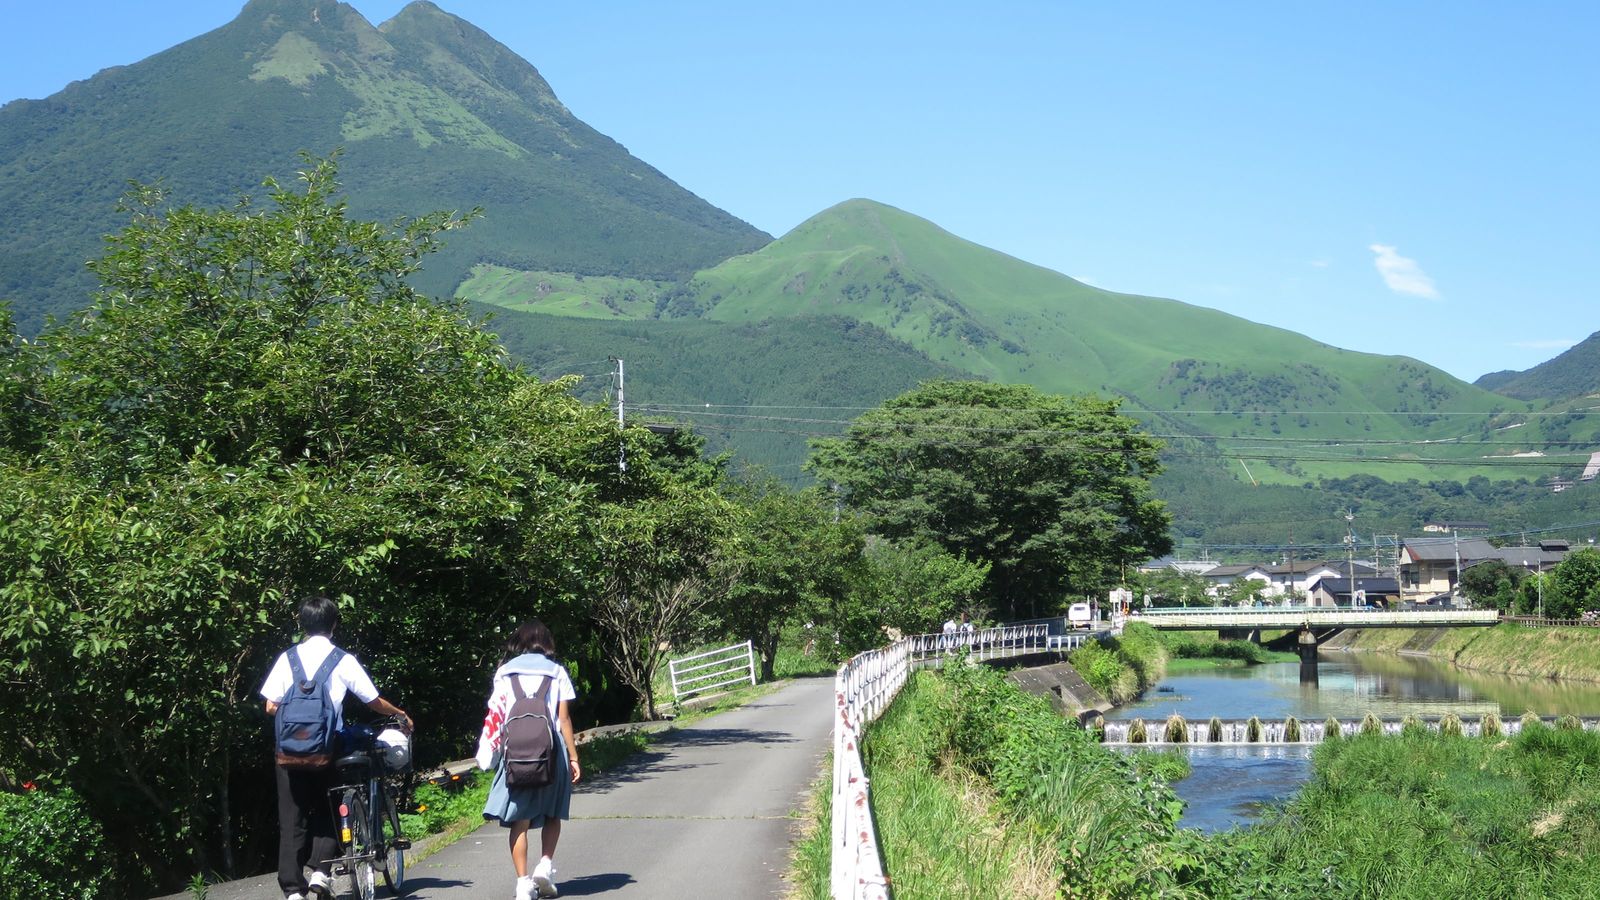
(1231,784)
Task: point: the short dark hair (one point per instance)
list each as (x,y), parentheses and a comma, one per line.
(318,615)
(532,636)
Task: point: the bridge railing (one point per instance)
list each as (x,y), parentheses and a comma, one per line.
(1543,622)
(1312,616)
(863,688)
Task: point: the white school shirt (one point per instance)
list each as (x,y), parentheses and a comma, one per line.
(348,675)
(527,669)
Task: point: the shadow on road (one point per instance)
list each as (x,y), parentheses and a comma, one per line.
(712,737)
(589,885)
(658,759)
(421,883)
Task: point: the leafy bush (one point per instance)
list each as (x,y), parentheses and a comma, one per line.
(50,849)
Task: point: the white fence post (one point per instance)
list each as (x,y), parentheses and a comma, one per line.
(863,688)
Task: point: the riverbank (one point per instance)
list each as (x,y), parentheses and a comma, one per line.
(1565,654)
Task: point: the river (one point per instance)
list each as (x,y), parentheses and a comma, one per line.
(1230,784)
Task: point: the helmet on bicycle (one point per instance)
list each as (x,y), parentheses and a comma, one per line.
(395,748)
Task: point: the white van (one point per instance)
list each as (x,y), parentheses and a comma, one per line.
(1079,615)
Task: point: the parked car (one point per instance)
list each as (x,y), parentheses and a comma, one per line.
(1079,615)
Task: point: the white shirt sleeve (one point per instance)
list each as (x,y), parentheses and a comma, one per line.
(564,689)
(277,685)
(355,678)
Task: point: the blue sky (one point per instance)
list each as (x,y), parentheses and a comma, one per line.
(1415,179)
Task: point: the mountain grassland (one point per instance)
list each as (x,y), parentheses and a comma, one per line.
(1217,386)
(431,113)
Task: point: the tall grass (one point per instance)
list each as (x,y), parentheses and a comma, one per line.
(1124,667)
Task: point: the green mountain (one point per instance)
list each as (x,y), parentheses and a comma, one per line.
(760,389)
(1573,374)
(1222,386)
(431,112)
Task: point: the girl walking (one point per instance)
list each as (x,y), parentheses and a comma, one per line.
(531,662)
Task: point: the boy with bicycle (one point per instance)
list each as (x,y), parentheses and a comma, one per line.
(306,833)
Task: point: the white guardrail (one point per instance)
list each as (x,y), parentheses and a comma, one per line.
(735,664)
(863,688)
(1312,617)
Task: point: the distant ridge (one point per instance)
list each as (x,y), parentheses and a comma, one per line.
(432,113)
(1575,373)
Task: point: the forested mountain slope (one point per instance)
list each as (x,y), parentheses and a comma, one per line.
(432,113)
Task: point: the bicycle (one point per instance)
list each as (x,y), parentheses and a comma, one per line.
(371,843)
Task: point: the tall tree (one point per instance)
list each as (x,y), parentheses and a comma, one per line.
(257,406)
(1052,492)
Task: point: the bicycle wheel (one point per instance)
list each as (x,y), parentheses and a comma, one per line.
(392,844)
(363,874)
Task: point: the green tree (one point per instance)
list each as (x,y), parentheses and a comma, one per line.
(793,560)
(909,587)
(1053,493)
(1242,592)
(1573,586)
(1492,583)
(258,406)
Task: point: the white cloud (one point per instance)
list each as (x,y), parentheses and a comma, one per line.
(1551,344)
(1402,274)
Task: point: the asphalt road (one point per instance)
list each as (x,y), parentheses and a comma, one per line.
(705,812)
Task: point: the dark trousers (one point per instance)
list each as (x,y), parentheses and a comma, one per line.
(305,826)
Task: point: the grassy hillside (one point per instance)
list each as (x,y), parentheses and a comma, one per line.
(1575,373)
(675,369)
(1225,389)
(432,113)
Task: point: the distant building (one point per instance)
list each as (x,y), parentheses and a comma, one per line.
(1186,566)
(1542,558)
(1372,590)
(1446,527)
(1430,566)
(1300,575)
(1592,469)
(1219,577)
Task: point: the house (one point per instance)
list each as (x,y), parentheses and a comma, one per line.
(1184,566)
(1300,575)
(1542,558)
(1430,566)
(1372,590)
(1219,578)
(1439,526)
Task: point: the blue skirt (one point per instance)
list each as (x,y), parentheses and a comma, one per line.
(534,805)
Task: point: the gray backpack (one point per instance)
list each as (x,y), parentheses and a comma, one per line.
(529,744)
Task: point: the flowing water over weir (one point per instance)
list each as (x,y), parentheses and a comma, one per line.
(1292,731)
(1234,778)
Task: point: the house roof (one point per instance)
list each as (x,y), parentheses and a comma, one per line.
(1229,571)
(1528,557)
(1445,549)
(1339,586)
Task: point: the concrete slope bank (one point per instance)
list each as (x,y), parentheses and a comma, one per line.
(704,812)
(1568,654)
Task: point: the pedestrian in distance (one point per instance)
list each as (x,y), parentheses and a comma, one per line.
(530,790)
(305,819)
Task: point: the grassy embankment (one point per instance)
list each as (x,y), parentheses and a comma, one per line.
(981,790)
(1569,654)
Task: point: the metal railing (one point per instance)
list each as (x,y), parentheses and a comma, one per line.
(1543,622)
(735,664)
(863,688)
(1312,617)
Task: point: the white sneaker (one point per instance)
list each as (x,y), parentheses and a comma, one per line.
(526,888)
(544,877)
(295,896)
(319,885)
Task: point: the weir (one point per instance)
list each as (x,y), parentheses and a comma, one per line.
(1176,731)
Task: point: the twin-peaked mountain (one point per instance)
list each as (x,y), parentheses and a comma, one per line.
(588,252)
(431,113)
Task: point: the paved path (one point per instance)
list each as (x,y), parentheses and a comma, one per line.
(705,813)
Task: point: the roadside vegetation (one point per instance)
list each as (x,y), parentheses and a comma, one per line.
(978,776)
(1123,667)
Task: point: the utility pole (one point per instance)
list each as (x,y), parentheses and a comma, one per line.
(622,446)
(1350,542)
(1456,536)
(1290,591)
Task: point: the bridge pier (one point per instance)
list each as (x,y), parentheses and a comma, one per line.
(1307,647)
